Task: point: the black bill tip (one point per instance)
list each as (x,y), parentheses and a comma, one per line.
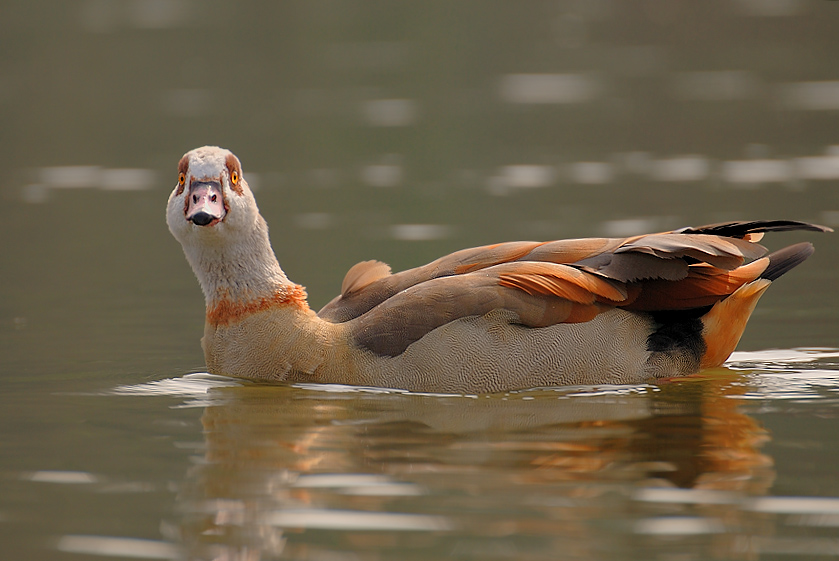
(202,218)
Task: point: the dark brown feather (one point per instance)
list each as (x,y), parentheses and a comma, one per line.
(742,228)
(629,267)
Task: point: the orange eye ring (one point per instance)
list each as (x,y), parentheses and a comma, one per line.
(181,178)
(234,177)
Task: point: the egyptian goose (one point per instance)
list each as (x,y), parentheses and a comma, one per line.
(488,319)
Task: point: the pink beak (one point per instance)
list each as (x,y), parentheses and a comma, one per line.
(205,204)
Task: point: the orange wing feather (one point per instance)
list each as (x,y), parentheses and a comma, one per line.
(552,279)
(705,285)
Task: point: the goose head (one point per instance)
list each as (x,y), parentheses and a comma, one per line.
(213,214)
(211,201)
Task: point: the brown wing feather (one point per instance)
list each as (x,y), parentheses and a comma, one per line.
(724,253)
(704,285)
(659,270)
(474,259)
(628,267)
(561,251)
(390,327)
(363,274)
(562,281)
(361,300)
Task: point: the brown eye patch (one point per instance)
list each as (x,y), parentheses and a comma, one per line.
(234,169)
(183,165)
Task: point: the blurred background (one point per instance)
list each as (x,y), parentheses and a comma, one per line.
(402,130)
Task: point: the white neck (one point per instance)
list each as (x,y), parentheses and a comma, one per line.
(240,270)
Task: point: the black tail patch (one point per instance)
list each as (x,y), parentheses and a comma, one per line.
(785,259)
(740,229)
(678,339)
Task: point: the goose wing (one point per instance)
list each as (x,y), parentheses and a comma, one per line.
(685,268)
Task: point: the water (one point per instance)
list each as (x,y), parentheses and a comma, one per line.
(205,467)
(401,132)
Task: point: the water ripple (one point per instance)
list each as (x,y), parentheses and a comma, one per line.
(800,374)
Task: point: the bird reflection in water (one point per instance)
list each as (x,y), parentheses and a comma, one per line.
(335,472)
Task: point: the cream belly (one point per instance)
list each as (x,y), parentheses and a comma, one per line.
(490,353)
(470,355)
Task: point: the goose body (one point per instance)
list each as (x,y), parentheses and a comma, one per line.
(487,319)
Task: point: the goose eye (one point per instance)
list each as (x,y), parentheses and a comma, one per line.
(181,178)
(234,177)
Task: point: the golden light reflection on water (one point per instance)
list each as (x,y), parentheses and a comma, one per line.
(283,465)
